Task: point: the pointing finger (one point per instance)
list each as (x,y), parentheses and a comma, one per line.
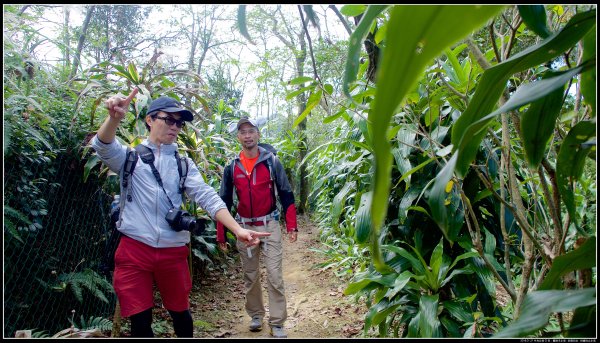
(132,95)
(261,234)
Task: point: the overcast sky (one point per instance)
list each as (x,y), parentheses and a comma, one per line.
(53,21)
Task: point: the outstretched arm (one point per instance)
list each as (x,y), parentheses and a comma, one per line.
(226,194)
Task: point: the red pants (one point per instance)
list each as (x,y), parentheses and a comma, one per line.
(138,266)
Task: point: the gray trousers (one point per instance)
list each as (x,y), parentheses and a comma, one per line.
(272,251)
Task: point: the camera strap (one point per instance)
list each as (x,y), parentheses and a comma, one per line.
(147,157)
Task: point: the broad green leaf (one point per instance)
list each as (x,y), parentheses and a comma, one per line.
(458,70)
(89,165)
(539,305)
(380,316)
(387,280)
(426,32)
(570,162)
(364,127)
(399,284)
(300,80)
(393,132)
(417,265)
(414,170)
(355,45)
(437,196)
(363,218)
(490,242)
(537,125)
(361,145)
(123,75)
(407,200)
(333,117)
(406,138)
(582,258)
(429,279)
(202,100)
(457,310)
(419,209)
(379,312)
(313,100)
(135,77)
(241,22)
(436,259)
(457,271)
(120,68)
(431,115)
(493,82)
(338,202)
(294,93)
(534,16)
(429,324)
(588,78)
(353,10)
(380,34)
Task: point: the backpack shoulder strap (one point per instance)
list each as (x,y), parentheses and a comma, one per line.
(131,157)
(232,166)
(182,168)
(270,162)
(273,173)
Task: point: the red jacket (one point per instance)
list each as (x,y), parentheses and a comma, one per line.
(256,192)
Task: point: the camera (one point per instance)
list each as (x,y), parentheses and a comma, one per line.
(182,220)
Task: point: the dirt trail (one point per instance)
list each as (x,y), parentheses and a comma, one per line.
(316,306)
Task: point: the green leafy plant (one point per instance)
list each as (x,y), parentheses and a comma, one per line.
(100,323)
(76,282)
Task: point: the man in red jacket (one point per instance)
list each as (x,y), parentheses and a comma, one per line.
(258,179)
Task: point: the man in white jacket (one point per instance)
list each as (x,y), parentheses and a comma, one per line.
(150,249)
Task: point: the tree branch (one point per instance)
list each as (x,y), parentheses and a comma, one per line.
(342,19)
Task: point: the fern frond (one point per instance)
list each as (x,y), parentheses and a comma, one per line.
(89,280)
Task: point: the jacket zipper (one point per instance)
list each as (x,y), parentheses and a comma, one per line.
(157,199)
(250,192)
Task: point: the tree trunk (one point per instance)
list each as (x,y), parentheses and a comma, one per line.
(76,58)
(66,41)
(372,51)
(303,143)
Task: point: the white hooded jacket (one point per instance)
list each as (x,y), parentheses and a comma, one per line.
(143,219)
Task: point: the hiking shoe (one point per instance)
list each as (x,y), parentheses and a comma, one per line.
(255,324)
(278,332)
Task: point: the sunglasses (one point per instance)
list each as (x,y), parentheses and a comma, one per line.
(170,121)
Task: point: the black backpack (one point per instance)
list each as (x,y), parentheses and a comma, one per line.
(268,147)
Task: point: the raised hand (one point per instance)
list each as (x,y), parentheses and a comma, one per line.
(117,105)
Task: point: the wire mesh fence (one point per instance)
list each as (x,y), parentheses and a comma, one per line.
(53,251)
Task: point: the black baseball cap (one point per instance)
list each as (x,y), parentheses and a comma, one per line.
(170,105)
(244,120)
